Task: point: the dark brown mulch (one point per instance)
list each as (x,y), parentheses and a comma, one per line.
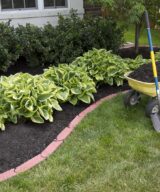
(23,141)
(145,73)
(130,52)
(21,66)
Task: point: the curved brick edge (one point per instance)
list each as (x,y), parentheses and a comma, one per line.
(55,144)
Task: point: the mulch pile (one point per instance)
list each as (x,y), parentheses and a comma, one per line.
(145,73)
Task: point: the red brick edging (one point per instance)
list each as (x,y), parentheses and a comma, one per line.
(55,144)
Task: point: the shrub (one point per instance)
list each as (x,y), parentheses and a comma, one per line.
(10,49)
(73,36)
(75,82)
(61,44)
(31,41)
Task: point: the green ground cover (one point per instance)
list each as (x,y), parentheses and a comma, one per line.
(112,149)
(130,34)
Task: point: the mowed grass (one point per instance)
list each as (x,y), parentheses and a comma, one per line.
(114,149)
(129,36)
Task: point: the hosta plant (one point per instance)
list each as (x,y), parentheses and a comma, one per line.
(157,56)
(135,63)
(31,97)
(75,82)
(105,67)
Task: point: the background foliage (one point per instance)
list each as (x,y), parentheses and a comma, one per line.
(60,44)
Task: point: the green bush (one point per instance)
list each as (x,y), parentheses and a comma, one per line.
(36,97)
(75,82)
(10,49)
(31,42)
(71,38)
(105,67)
(31,97)
(74,36)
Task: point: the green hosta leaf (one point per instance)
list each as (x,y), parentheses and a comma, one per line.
(91,96)
(36,118)
(56,105)
(119,82)
(44,96)
(44,113)
(50,118)
(112,70)
(110,81)
(63,94)
(85,98)
(76,91)
(13,119)
(73,100)
(25,113)
(29,105)
(2,126)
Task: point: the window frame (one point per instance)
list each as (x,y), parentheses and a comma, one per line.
(55,7)
(19,9)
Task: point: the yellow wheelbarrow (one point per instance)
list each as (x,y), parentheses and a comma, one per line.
(134,96)
(150,89)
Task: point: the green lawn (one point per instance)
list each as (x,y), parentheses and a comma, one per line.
(130,35)
(114,149)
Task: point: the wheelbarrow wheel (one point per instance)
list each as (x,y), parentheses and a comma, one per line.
(131,98)
(152,107)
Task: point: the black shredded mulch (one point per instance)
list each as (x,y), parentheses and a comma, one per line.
(21,142)
(145,73)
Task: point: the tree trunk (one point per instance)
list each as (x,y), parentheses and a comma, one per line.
(137,35)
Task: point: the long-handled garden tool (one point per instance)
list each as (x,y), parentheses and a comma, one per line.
(154,116)
(150,89)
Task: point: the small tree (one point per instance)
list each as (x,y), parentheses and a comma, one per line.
(131,11)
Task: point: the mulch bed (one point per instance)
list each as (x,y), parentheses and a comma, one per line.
(130,52)
(25,140)
(145,73)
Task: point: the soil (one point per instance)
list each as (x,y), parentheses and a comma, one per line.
(129,52)
(21,66)
(145,73)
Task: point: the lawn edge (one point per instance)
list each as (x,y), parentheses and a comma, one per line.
(56,143)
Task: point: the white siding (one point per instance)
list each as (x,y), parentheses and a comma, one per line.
(40,16)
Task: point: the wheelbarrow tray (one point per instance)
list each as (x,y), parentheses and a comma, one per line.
(140,86)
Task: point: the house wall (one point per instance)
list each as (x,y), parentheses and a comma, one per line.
(40,16)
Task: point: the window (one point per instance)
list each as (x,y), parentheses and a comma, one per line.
(18,4)
(55,3)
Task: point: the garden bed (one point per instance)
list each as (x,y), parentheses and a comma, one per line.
(25,140)
(129,52)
